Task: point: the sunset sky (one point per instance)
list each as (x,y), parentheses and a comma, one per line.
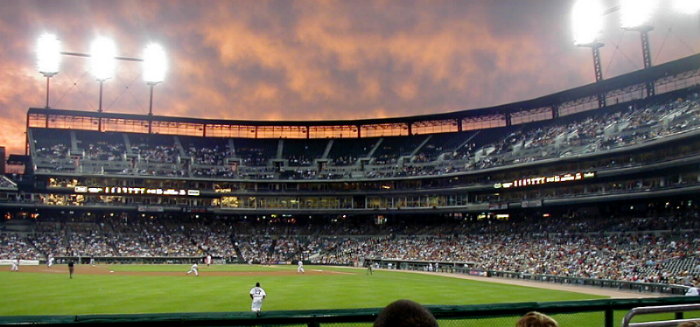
(316,60)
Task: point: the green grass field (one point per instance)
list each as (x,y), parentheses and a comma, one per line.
(352,288)
(27,293)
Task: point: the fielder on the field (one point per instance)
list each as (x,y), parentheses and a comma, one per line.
(300,267)
(14,265)
(194,269)
(692,291)
(257,294)
(49,262)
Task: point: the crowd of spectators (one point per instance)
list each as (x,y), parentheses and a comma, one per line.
(597,131)
(105,151)
(660,248)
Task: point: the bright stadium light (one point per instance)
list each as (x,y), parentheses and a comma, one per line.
(102,61)
(155,64)
(587,21)
(48,51)
(636,13)
(689,7)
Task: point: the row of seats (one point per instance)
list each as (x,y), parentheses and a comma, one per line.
(167,155)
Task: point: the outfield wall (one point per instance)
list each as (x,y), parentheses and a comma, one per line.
(7,262)
(468,269)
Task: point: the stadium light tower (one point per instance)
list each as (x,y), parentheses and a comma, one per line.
(635,16)
(48,52)
(155,65)
(587,21)
(102,61)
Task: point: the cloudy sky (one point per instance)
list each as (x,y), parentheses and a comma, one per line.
(311,60)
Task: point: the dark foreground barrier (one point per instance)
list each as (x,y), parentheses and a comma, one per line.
(608,313)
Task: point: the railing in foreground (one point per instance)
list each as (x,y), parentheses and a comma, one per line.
(587,313)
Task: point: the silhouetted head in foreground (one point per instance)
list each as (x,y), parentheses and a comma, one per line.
(694,323)
(405,313)
(536,319)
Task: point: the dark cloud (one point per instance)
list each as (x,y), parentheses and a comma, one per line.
(306,60)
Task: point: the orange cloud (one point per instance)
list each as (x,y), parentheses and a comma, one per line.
(310,60)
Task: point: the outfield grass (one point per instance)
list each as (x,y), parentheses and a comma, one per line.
(55,294)
(36,293)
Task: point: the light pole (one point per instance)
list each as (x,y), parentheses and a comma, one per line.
(587,19)
(102,63)
(155,65)
(635,16)
(48,58)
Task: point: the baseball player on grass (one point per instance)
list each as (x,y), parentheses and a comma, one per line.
(194,269)
(257,294)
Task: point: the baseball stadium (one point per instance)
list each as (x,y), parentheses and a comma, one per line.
(583,204)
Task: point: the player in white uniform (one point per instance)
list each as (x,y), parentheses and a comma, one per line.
(300,267)
(14,265)
(692,291)
(257,294)
(194,269)
(50,261)
(208,259)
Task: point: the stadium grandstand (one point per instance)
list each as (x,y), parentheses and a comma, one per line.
(563,185)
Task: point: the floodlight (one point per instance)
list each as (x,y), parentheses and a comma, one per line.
(689,7)
(102,61)
(48,52)
(636,13)
(587,21)
(155,64)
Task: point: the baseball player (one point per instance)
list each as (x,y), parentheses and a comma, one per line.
(71,269)
(14,265)
(300,267)
(194,269)
(208,259)
(49,262)
(692,291)
(257,294)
